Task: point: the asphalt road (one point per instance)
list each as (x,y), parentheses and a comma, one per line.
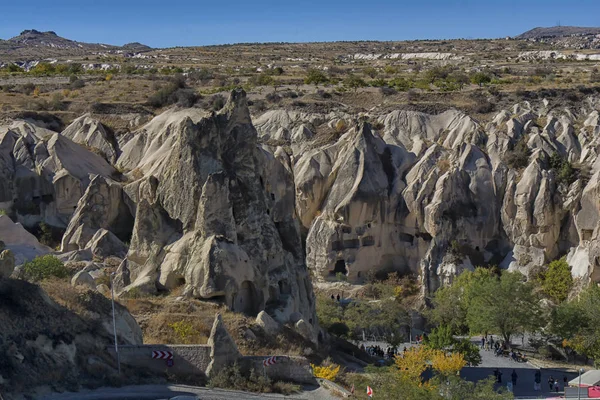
(156,392)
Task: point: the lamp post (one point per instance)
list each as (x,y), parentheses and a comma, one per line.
(112,295)
(579,386)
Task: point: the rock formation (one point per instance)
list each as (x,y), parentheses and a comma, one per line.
(434,195)
(215,212)
(235,214)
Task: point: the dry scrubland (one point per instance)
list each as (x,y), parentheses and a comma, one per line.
(478,77)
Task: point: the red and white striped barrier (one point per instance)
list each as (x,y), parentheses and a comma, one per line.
(269,361)
(162,355)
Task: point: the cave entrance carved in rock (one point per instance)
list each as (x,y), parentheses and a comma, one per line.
(246,300)
(340,267)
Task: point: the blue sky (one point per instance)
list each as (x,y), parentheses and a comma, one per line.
(185,23)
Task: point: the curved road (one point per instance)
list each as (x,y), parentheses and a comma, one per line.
(156,392)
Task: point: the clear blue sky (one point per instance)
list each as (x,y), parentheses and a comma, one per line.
(168,23)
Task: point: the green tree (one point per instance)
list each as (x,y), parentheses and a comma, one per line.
(45,267)
(354,82)
(328,311)
(441,338)
(578,323)
(480,78)
(315,77)
(459,78)
(370,72)
(557,281)
(506,305)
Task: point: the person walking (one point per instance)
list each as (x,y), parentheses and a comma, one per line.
(551,382)
(513,377)
(556,386)
(482,342)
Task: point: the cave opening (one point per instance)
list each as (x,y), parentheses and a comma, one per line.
(340,267)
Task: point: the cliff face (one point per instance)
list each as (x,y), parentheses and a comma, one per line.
(433,195)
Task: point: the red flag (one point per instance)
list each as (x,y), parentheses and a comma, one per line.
(369,391)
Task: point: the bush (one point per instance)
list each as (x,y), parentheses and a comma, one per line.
(329,372)
(217,102)
(76,83)
(519,156)
(56,103)
(339,329)
(232,378)
(387,91)
(354,82)
(45,267)
(557,281)
(480,78)
(316,77)
(273,97)
(28,88)
(175,92)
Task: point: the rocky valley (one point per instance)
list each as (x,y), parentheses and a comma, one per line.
(254,195)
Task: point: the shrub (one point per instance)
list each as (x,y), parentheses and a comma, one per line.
(232,378)
(338,329)
(76,84)
(329,372)
(557,281)
(316,77)
(174,92)
(28,88)
(341,126)
(45,267)
(480,78)
(354,82)
(519,156)
(56,103)
(273,97)
(217,102)
(387,91)
(263,79)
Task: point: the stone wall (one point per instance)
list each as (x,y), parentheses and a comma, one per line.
(188,361)
(295,369)
(201,361)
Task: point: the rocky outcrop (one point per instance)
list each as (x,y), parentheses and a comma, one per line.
(214,212)
(38,335)
(223,349)
(49,173)
(22,244)
(91,133)
(103,207)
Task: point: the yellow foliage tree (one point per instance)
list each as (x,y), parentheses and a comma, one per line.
(413,363)
(447,364)
(328,372)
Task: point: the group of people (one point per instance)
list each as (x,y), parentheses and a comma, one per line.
(378,351)
(500,347)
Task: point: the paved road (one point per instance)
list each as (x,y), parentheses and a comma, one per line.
(156,392)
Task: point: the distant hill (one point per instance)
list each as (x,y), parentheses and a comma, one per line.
(32,43)
(558,31)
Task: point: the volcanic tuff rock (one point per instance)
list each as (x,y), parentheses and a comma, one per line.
(44,174)
(215,212)
(215,205)
(434,194)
